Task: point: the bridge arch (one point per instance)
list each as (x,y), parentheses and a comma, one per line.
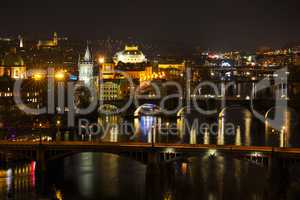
(147,109)
(238,109)
(137,156)
(143,157)
(272,111)
(181,112)
(280,119)
(186,110)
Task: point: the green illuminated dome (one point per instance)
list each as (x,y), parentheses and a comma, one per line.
(12,60)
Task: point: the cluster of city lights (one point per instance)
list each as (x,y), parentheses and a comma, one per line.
(59,75)
(157,76)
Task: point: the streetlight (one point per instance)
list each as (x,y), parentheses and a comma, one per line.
(37,77)
(60,75)
(101,60)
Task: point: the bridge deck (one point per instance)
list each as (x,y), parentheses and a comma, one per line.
(94,146)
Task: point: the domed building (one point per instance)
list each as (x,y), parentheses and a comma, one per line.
(130,55)
(13,66)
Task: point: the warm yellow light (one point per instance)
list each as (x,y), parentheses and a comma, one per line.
(59,75)
(37,77)
(131,48)
(101,60)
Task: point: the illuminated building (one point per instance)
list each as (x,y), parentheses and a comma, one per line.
(49,43)
(13,66)
(170,70)
(131,54)
(114,73)
(110,90)
(85,67)
(107,69)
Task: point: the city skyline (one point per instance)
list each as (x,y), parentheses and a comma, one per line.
(224,25)
(155,100)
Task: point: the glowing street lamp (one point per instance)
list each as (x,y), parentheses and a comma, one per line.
(58,122)
(37,77)
(60,75)
(101,60)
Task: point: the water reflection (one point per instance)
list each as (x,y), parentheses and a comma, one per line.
(146,128)
(109,126)
(238,141)
(105,176)
(18,182)
(281,135)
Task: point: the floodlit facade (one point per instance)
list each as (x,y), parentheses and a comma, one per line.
(131,54)
(13,66)
(86,68)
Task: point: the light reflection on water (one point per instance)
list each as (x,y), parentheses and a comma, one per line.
(106,176)
(234,125)
(18,182)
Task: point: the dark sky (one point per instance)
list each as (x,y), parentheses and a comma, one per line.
(215,24)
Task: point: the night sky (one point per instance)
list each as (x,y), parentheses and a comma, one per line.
(214,24)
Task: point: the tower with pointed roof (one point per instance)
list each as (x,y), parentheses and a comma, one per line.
(85,67)
(21,44)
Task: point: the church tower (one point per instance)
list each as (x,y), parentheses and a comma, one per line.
(21,44)
(85,67)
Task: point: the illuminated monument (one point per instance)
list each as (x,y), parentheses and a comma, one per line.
(85,67)
(132,61)
(13,66)
(130,55)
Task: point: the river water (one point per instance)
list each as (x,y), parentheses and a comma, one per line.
(94,176)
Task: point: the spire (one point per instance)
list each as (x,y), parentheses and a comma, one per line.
(87,55)
(21,45)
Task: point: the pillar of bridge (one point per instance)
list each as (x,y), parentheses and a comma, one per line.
(40,159)
(153,157)
(153,182)
(40,171)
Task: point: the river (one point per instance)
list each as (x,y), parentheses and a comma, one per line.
(94,176)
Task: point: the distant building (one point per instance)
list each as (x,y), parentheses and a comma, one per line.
(133,64)
(110,90)
(13,66)
(49,43)
(85,67)
(131,54)
(107,69)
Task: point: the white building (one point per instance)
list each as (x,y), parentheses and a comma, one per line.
(131,54)
(86,68)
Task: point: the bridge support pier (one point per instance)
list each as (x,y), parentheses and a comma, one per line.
(153,157)
(41,170)
(40,159)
